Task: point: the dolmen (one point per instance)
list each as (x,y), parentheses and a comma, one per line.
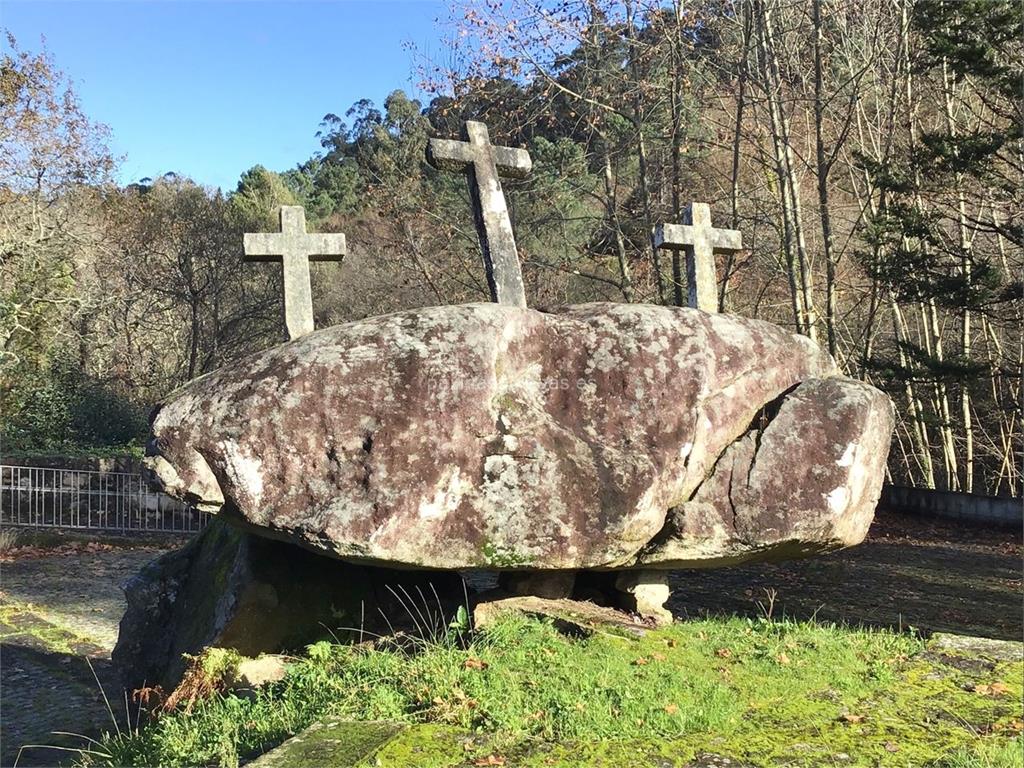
(616,438)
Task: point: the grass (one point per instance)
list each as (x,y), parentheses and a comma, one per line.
(70,451)
(759,691)
(8,539)
(1006,753)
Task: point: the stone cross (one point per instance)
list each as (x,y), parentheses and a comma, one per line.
(294,248)
(701,241)
(484,163)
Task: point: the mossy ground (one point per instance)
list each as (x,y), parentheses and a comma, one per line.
(28,624)
(761,692)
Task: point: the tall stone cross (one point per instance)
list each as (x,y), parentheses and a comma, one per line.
(294,248)
(484,163)
(701,242)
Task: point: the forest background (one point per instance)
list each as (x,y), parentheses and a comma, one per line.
(871,152)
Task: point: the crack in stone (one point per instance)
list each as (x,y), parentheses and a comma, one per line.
(758,425)
(728,493)
(765,416)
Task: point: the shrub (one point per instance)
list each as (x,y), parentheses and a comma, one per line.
(59,408)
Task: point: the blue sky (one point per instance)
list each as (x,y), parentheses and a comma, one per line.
(210,88)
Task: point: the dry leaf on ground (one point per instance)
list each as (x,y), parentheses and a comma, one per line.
(490,760)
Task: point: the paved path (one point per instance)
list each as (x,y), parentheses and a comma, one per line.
(80,592)
(57,612)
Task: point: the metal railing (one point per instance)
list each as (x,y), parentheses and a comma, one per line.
(90,499)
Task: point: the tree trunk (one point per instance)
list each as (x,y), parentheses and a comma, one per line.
(789,225)
(930,326)
(966,275)
(822,174)
(675,106)
(734,190)
(914,406)
(612,211)
(193,338)
(790,182)
(641,150)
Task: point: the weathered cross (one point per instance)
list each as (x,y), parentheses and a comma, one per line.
(483,163)
(294,248)
(701,241)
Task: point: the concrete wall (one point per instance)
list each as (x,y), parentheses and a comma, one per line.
(966,507)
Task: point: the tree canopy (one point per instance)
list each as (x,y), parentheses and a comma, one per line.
(870,153)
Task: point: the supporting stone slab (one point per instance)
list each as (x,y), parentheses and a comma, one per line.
(997,650)
(232,589)
(571,617)
(646,592)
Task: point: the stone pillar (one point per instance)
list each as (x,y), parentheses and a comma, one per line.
(646,592)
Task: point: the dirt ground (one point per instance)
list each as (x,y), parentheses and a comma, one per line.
(910,572)
(60,602)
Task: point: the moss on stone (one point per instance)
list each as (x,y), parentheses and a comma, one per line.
(496,556)
(437,746)
(335,743)
(28,622)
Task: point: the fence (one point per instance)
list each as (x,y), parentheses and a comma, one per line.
(90,499)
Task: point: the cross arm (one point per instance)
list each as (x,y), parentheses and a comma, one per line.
(678,236)
(326,246)
(262,246)
(674,237)
(448,154)
(451,155)
(512,162)
(726,240)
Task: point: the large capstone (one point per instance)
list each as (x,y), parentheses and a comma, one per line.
(600,436)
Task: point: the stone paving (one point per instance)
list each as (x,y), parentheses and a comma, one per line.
(80,591)
(57,611)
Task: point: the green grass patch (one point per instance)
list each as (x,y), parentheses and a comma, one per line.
(762,692)
(24,621)
(134,450)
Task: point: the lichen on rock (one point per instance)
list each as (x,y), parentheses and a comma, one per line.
(596,436)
